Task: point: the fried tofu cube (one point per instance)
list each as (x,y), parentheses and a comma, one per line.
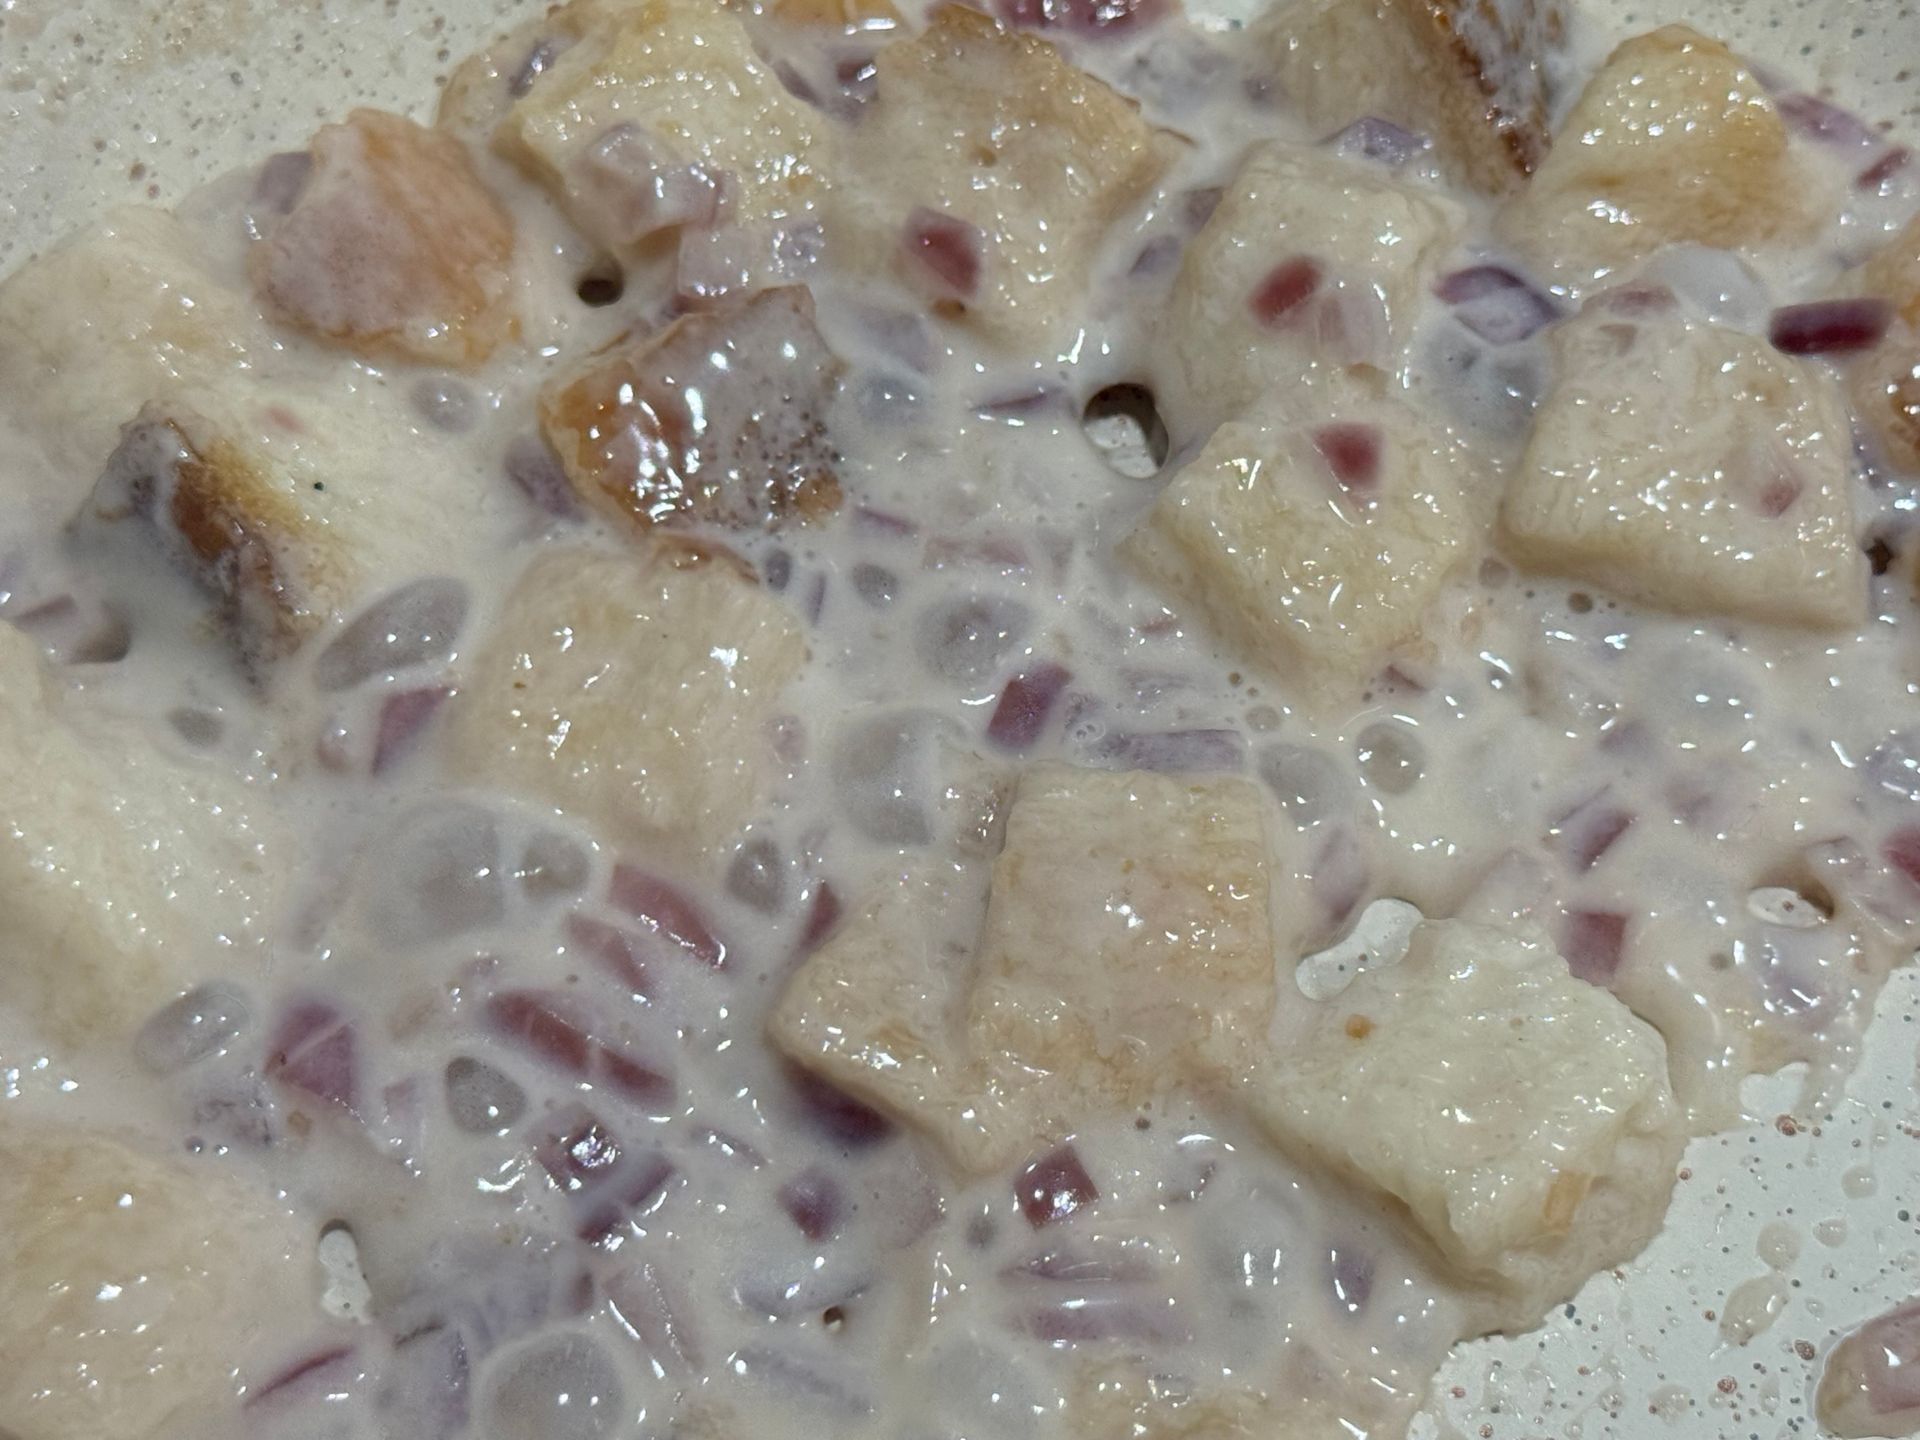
(1520,1120)
(1126,947)
(1316,536)
(1884,385)
(719,418)
(1475,78)
(1672,140)
(876,1010)
(127,877)
(634,691)
(130,1286)
(656,113)
(1690,467)
(394,247)
(157,324)
(989,171)
(1309,258)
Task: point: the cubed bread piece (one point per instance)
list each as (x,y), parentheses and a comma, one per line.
(393,248)
(656,113)
(1892,273)
(719,418)
(1673,139)
(130,1285)
(634,691)
(283,505)
(486,84)
(117,316)
(1690,467)
(1126,948)
(989,172)
(200,500)
(1316,535)
(1885,389)
(878,1011)
(1310,258)
(1520,1120)
(1473,77)
(126,876)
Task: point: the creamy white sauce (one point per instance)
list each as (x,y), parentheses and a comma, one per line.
(709,1304)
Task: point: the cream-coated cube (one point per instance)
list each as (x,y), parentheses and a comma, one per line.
(1128,930)
(1690,467)
(126,876)
(1316,535)
(394,248)
(1126,947)
(131,1285)
(636,691)
(719,418)
(1310,258)
(877,1011)
(1520,1120)
(1672,140)
(997,136)
(155,324)
(283,502)
(1472,77)
(1884,384)
(656,112)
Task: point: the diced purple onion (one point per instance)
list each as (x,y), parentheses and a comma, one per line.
(1825,122)
(1495,303)
(1025,705)
(1054,1187)
(1381,141)
(1175,752)
(313,1049)
(1830,327)
(946,250)
(668,911)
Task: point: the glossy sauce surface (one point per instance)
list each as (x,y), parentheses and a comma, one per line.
(517,1048)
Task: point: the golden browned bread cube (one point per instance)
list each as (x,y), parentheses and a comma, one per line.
(720,418)
(216,512)
(394,247)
